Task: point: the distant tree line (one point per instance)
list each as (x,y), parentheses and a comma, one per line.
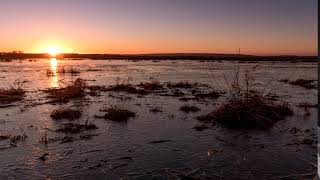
(170,56)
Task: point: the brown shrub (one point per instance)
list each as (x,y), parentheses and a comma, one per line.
(127,88)
(187,108)
(74,128)
(247,107)
(4,137)
(151,86)
(253,111)
(97,88)
(155,110)
(284,80)
(182,84)
(13,94)
(17,138)
(65,114)
(307,105)
(212,95)
(118,114)
(200,127)
(63,70)
(75,90)
(308,84)
(14,139)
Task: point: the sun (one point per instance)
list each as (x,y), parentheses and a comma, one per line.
(53,51)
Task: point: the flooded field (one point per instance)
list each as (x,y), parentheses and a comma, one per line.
(161,141)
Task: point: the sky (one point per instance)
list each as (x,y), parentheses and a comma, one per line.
(258,27)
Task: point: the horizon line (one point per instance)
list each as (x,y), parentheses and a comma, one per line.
(164,53)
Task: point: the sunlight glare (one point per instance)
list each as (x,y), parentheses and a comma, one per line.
(53,51)
(54,66)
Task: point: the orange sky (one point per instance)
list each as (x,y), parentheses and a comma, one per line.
(216,26)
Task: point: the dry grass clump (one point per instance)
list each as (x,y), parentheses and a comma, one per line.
(187,98)
(97,88)
(4,137)
(308,84)
(151,86)
(13,94)
(182,84)
(248,108)
(118,114)
(49,72)
(73,70)
(63,70)
(200,127)
(17,138)
(75,90)
(5,60)
(129,88)
(212,95)
(93,90)
(121,87)
(155,110)
(307,105)
(93,70)
(14,139)
(188,108)
(284,80)
(65,114)
(253,111)
(75,128)
(177,93)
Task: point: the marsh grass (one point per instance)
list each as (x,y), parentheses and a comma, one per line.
(253,111)
(13,94)
(177,93)
(65,114)
(188,108)
(4,137)
(75,90)
(284,80)
(155,110)
(165,89)
(182,84)
(212,95)
(200,127)
(75,128)
(14,139)
(151,86)
(308,84)
(128,88)
(97,88)
(17,138)
(246,107)
(125,85)
(308,105)
(63,70)
(116,113)
(73,70)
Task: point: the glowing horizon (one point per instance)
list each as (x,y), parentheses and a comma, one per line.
(275,27)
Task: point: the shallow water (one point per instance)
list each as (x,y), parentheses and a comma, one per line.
(245,154)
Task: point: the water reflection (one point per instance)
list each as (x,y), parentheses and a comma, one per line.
(54,66)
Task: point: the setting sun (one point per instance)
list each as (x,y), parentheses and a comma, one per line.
(52,48)
(53,51)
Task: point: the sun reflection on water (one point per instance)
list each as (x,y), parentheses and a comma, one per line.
(54,66)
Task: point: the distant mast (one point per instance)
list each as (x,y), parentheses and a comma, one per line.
(239,51)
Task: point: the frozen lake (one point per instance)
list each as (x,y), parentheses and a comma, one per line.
(116,150)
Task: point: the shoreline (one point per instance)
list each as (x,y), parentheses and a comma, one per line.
(177,56)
